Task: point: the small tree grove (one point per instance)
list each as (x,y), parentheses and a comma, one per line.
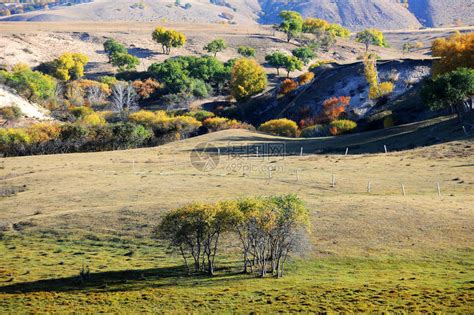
(269,229)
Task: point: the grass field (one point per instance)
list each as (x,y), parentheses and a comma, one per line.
(377,251)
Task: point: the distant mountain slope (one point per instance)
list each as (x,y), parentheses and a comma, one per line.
(354,14)
(436,13)
(196,11)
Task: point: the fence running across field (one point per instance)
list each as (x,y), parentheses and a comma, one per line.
(273,171)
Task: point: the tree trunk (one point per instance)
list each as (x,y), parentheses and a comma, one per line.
(185,261)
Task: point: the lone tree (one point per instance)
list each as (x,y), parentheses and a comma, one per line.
(124,99)
(292,24)
(111,46)
(291,63)
(371,37)
(215,46)
(450,90)
(168,39)
(276,60)
(248,78)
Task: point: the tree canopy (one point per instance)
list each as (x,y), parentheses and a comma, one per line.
(33,85)
(276,60)
(371,36)
(70,66)
(305,54)
(215,46)
(246,51)
(168,39)
(247,79)
(454,52)
(124,61)
(292,24)
(449,90)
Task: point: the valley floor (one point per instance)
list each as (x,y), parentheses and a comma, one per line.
(369,251)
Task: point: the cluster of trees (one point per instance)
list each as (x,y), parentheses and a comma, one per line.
(48,138)
(248,78)
(215,46)
(331,120)
(119,56)
(293,25)
(67,67)
(198,76)
(88,130)
(269,230)
(280,60)
(453,52)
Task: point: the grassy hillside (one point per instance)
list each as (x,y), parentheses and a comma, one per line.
(369,251)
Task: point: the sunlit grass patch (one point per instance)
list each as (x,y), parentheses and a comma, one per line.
(41,274)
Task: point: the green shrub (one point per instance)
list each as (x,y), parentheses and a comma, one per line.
(246,51)
(315,131)
(338,127)
(201,115)
(10,113)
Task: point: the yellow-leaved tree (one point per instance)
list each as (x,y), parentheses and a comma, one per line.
(453,52)
(377,90)
(168,39)
(70,66)
(248,78)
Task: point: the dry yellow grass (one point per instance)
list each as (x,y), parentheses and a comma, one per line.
(151,180)
(377,251)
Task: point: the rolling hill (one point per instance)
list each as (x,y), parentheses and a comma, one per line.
(369,251)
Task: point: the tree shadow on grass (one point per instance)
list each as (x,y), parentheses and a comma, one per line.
(120,281)
(143,52)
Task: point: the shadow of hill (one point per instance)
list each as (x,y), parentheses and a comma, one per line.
(404,137)
(124,280)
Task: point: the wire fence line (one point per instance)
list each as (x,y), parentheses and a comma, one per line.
(272,172)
